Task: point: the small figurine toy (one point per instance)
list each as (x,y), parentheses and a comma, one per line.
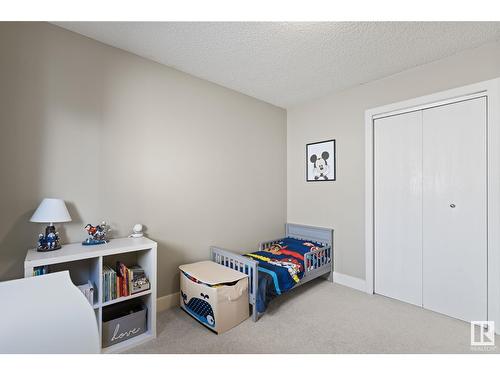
(97,234)
(48,242)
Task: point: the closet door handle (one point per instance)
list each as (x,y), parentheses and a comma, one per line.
(452,205)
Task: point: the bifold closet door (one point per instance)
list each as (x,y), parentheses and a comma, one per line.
(398,206)
(455,210)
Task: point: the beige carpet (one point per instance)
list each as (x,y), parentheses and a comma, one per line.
(320,317)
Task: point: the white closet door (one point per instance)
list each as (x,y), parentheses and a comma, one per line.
(398,207)
(454,210)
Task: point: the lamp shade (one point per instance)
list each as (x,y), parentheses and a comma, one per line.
(51,211)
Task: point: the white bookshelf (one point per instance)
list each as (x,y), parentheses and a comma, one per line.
(86,263)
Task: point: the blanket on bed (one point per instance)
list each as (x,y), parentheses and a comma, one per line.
(281,266)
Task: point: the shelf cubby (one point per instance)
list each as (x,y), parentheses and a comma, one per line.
(81,271)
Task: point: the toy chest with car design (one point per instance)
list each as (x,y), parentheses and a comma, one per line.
(215,295)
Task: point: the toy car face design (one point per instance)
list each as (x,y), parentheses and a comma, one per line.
(200,309)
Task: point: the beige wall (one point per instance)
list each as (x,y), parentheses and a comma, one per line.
(340,204)
(127,140)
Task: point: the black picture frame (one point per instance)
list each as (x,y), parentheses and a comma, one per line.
(314,174)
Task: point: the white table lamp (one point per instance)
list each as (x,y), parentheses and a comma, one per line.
(50,211)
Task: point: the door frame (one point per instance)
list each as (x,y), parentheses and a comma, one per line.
(489,89)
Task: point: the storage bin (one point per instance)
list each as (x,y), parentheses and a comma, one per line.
(215,295)
(122,322)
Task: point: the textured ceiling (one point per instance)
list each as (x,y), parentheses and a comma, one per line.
(289,63)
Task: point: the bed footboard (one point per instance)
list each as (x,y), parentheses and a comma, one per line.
(242,264)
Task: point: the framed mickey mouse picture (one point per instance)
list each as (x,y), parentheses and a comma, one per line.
(320,161)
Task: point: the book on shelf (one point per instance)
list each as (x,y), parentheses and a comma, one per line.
(109,278)
(40,270)
(88,291)
(122,281)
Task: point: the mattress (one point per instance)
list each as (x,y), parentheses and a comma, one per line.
(281,267)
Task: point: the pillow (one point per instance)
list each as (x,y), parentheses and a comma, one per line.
(302,246)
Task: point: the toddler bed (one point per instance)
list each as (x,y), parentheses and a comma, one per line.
(304,254)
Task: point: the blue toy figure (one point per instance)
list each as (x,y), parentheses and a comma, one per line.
(97,234)
(52,239)
(41,241)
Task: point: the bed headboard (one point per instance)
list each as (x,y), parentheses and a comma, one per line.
(316,234)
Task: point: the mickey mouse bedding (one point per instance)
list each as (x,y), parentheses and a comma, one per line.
(281,266)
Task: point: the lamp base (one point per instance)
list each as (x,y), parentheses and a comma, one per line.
(45,249)
(49,241)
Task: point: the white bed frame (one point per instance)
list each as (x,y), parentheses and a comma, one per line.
(316,263)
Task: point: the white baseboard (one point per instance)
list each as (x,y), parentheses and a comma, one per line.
(349,281)
(167,302)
